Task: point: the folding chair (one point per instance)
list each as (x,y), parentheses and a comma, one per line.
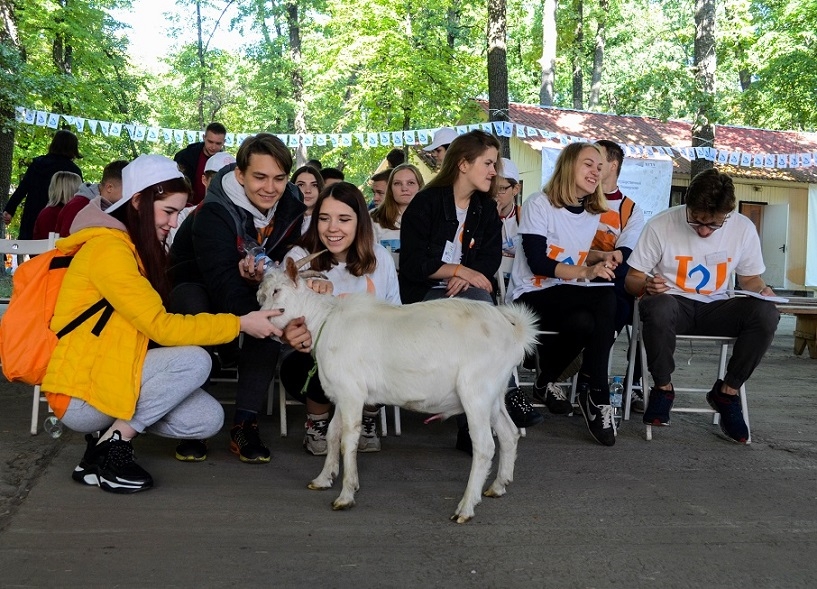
(638,344)
(27,247)
(284,402)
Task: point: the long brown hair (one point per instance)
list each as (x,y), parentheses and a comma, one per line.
(467,147)
(141,225)
(561,188)
(360,258)
(389,211)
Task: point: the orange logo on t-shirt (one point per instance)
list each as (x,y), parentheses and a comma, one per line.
(694,279)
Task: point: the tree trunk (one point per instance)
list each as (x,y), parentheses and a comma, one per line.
(498,69)
(577,57)
(598,56)
(297,78)
(548,61)
(11,42)
(703,130)
(202,65)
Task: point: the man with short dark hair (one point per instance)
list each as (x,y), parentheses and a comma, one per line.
(249,204)
(379,183)
(331,175)
(193,158)
(109,188)
(681,268)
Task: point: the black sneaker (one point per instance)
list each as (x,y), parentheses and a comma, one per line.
(191,450)
(245,442)
(521,411)
(554,398)
(87,471)
(728,406)
(657,410)
(599,418)
(111,466)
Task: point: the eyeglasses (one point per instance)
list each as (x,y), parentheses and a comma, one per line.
(503,189)
(711,226)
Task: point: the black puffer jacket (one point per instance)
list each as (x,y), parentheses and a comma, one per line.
(209,245)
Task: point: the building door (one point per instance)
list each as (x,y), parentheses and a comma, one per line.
(774,238)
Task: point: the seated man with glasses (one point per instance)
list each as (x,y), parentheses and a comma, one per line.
(681,268)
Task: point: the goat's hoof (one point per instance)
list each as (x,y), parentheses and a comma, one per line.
(319,486)
(461,519)
(339,505)
(492,492)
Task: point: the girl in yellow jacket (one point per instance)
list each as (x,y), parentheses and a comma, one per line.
(103,375)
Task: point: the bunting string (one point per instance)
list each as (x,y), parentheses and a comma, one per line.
(180,137)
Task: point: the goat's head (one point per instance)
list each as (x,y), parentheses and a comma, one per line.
(285,288)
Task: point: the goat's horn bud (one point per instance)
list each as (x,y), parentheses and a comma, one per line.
(304,261)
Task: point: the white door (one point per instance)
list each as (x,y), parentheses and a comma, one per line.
(774,243)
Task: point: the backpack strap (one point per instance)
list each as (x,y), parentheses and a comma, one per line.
(87,314)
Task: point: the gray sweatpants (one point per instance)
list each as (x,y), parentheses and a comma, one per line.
(171,402)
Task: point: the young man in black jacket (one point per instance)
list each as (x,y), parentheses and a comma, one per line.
(250,204)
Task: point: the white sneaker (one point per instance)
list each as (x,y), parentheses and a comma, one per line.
(369,442)
(315,438)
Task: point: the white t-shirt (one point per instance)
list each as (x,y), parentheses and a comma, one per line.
(305,223)
(568,235)
(510,232)
(382,283)
(698,267)
(388,238)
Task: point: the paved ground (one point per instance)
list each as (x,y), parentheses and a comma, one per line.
(685,510)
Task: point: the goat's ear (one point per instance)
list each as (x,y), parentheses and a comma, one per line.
(292,271)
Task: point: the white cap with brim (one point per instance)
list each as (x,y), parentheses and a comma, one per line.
(443,136)
(509,170)
(217,161)
(144,171)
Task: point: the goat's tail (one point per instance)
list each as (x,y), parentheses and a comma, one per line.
(525,322)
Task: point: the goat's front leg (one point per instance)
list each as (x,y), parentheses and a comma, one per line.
(482,443)
(330,466)
(351,418)
(508,435)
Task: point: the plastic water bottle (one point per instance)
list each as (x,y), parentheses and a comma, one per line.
(53,426)
(616,396)
(259,254)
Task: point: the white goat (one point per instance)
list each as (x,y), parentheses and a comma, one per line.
(441,357)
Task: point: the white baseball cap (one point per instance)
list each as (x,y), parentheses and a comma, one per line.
(144,171)
(509,170)
(217,161)
(443,136)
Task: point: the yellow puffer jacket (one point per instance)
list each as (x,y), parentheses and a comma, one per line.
(106,370)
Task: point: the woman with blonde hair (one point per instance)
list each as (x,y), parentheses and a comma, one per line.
(61,189)
(405,181)
(551,274)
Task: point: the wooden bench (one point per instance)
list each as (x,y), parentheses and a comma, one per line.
(805,330)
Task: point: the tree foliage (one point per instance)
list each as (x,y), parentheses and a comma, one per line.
(377,65)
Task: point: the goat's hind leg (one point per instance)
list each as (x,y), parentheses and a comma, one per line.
(508,436)
(332,463)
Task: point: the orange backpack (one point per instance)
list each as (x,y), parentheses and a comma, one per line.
(26,338)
